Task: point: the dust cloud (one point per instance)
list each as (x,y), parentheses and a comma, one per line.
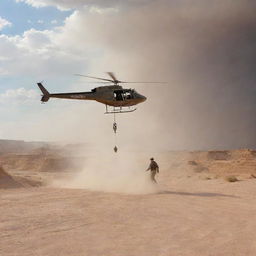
(109,172)
(206,53)
(207,56)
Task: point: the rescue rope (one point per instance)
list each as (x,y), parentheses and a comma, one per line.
(115,129)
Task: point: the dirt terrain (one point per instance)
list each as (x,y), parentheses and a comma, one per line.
(193,210)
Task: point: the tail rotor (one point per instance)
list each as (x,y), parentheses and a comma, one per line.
(46,94)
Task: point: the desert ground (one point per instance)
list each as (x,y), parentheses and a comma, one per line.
(54,202)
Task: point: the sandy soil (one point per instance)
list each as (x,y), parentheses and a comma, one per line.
(186,216)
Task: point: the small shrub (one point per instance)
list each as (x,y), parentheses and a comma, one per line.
(200,168)
(192,163)
(231,178)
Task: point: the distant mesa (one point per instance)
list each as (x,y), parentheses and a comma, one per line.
(8,181)
(18,146)
(219,155)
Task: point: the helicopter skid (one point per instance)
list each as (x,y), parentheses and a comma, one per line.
(117,110)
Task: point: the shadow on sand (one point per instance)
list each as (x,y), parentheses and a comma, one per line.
(202,194)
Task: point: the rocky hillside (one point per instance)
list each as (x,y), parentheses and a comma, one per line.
(227,162)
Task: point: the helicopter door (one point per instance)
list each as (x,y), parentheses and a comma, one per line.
(118,95)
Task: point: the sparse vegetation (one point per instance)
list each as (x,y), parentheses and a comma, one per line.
(192,163)
(231,178)
(200,168)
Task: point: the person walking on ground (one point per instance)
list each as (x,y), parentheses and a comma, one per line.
(154,168)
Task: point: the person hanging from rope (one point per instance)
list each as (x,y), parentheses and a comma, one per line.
(154,168)
(114,127)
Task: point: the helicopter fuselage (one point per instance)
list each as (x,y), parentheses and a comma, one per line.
(113,95)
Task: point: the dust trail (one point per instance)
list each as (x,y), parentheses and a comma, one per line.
(110,172)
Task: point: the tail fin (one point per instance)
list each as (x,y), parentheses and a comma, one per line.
(46,94)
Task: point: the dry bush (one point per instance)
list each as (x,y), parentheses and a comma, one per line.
(231,178)
(192,163)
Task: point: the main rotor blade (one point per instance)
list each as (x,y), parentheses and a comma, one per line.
(111,74)
(115,81)
(95,77)
(88,82)
(142,82)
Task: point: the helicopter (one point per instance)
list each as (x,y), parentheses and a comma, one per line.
(112,95)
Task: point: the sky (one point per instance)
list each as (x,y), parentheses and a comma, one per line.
(204,50)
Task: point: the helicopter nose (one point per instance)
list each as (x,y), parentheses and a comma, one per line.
(139,98)
(143,98)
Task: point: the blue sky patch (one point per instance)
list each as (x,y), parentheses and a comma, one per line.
(24,17)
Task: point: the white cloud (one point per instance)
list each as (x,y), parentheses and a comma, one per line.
(54,22)
(4,23)
(41,53)
(17,96)
(62,5)
(2,70)
(98,10)
(40,21)
(76,4)
(34,3)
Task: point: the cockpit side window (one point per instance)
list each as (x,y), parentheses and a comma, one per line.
(118,95)
(123,95)
(128,95)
